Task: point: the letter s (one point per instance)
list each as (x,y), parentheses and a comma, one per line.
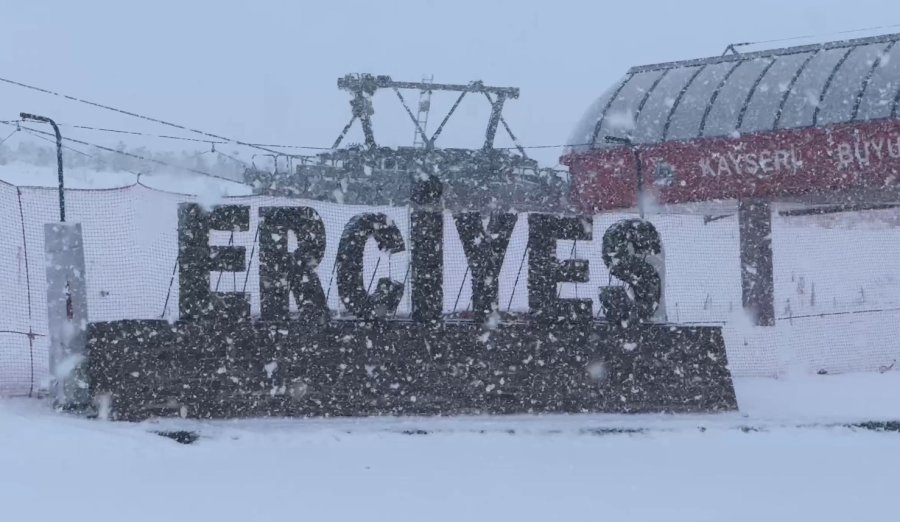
(626,245)
(752,164)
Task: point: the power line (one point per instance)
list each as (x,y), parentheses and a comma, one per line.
(224,139)
(221,139)
(27,334)
(560,146)
(260,146)
(33,132)
(135,156)
(829,314)
(291,147)
(556,146)
(9,136)
(279,145)
(53,141)
(37,134)
(183,138)
(135,115)
(820,35)
(135,133)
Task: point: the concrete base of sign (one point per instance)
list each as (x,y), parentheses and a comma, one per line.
(350,368)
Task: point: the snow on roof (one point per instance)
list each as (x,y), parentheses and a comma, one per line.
(807,86)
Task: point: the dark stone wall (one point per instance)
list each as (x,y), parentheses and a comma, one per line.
(218,369)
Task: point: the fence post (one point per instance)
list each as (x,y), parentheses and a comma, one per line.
(658,262)
(67,315)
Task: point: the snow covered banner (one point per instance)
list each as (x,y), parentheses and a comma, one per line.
(767,164)
(217,360)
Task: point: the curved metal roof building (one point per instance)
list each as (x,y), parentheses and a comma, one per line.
(771,90)
(791,122)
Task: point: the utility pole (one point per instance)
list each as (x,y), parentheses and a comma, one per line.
(59,160)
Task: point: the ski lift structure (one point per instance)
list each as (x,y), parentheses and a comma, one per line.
(487,178)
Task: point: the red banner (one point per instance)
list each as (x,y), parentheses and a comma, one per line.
(771,164)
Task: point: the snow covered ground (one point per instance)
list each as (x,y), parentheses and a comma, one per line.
(786,456)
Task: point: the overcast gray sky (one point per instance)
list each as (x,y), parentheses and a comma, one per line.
(266,70)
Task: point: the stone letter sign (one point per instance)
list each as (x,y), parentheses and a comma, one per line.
(218,361)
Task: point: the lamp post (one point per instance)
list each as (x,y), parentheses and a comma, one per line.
(66,298)
(59,160)
(638,168)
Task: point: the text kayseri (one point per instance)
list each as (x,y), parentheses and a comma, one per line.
(759,163)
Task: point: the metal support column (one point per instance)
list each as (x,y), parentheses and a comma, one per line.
(757,278)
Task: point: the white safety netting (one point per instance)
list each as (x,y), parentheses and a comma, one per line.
(837,288)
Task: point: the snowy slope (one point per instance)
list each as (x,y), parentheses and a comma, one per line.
(694,468)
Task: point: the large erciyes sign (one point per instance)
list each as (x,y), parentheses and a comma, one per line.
(766,164)
(218,361)
(285,273)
